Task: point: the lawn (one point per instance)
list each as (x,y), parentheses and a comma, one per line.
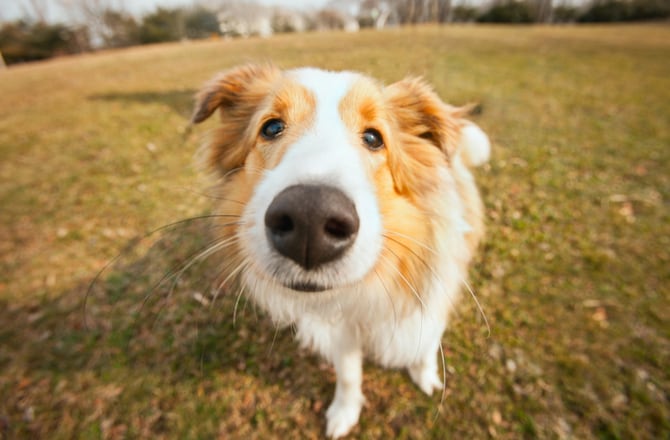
(574,276)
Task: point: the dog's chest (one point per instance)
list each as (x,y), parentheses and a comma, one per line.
(391,332)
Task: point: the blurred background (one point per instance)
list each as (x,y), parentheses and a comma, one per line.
(38,29)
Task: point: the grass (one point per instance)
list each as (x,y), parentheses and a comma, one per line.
(573,276)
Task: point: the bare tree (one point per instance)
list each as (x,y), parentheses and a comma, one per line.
(543,10)
(443,11)
(36,8)
(422,11)
(97,15)
(376,13)
(406,10)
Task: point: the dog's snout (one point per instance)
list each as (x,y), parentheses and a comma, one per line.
(311,224)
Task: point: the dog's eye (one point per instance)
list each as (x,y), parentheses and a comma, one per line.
(272,129)
(373,139)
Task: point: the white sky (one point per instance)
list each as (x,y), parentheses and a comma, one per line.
(55,11)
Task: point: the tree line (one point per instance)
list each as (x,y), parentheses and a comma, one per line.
(109,27)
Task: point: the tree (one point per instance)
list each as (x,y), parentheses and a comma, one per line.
(542,10)
(119,29)
(161,25)
(650,9)
(464,14)
(104,19)
(443,11)
(21,41)
(330,19)
(200,23)
(606,11)
(508,12)
(39,9)
(565,14)
(422,11)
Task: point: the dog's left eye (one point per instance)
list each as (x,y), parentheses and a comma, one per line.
(272,129)
(373,139)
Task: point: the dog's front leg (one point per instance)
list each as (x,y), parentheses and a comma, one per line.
(346,407)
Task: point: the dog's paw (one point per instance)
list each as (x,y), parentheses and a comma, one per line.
(341,417)
(426,378)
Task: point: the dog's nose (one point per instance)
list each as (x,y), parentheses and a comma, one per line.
(311,224)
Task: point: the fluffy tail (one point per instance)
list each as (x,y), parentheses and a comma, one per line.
(475,146)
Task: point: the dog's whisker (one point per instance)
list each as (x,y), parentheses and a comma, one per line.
(176,274)
(132,245)
(172,272)
(470,290)
(479,307)
(274,339)
(416,294)
(410,238)
(232,274)
(201,256)
(223,271)
(209,195)
(444,381)
(422,260)
(417,256)
(393,307)
(246,168)
(237,302)
(404,279)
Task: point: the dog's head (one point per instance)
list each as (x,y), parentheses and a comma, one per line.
(335,179)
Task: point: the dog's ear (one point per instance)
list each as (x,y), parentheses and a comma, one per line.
(428,133)
(237,94)
(230,88)
(420,113)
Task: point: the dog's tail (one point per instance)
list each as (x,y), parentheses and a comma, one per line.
(475,146)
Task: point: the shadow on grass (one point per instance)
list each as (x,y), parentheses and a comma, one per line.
(179,101)
(152,318)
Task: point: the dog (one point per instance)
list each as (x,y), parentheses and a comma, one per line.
(347,210)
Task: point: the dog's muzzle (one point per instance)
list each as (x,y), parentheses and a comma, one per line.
(311,224)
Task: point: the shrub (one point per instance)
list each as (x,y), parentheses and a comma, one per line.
(119,29)
(606,11)
(201,23)
(464,13)
(161,25)
(619,10)
(509,12)
(21,41)
(565,14)
(650,9)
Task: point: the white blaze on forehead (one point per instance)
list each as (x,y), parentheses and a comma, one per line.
(328,137)
(328,87)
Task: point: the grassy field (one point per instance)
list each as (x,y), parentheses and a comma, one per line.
(574,276)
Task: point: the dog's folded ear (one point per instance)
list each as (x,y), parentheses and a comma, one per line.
(428,133)
(420,113)
(237,94)
(231,88)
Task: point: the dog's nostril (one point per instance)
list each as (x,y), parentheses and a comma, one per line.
(283,224)
(339,228)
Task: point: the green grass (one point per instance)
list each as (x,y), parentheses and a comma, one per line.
(574,275)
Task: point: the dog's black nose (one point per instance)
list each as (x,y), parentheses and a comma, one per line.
(311,224)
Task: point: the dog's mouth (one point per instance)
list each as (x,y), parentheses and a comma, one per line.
(307,287)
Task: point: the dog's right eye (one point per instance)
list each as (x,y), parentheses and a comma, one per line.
(373,139)
(272,129)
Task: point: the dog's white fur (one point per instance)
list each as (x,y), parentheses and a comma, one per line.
(363,312)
